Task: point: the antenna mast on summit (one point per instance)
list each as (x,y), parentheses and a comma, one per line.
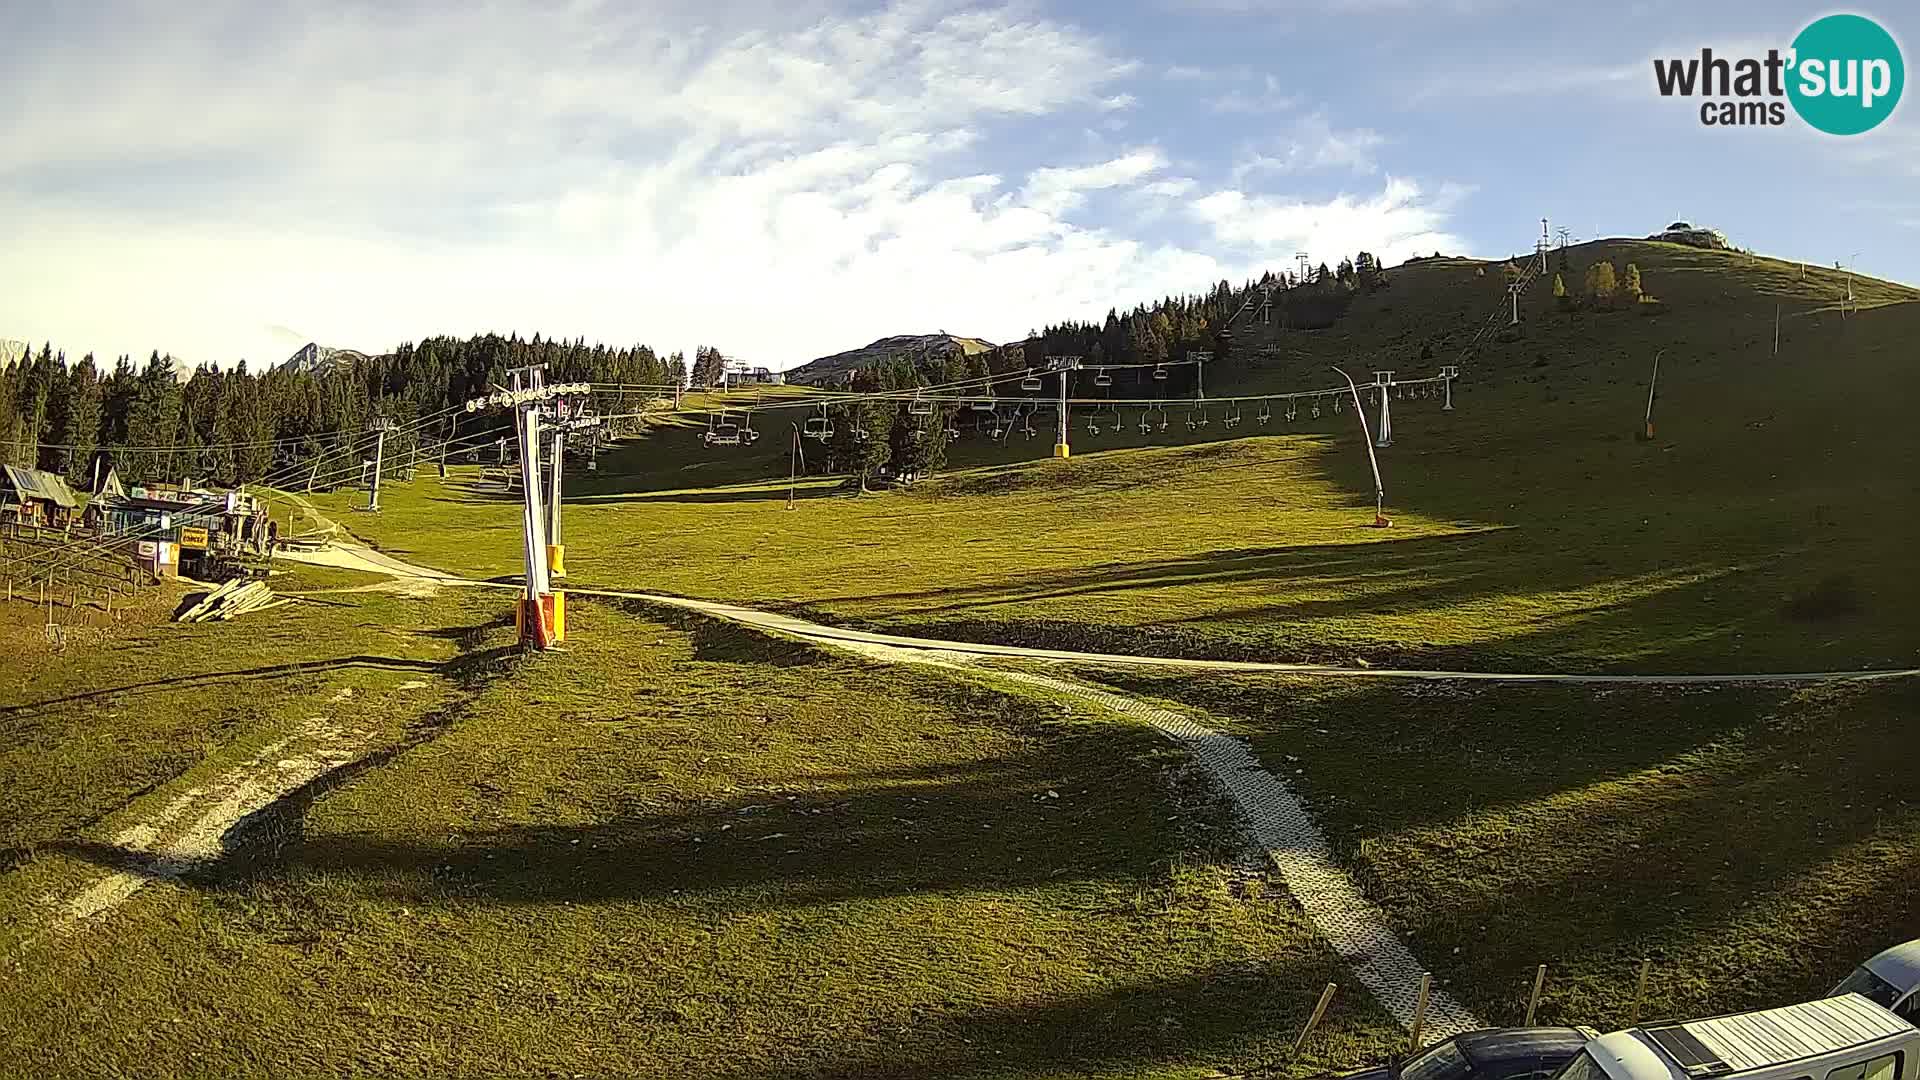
(1543,245)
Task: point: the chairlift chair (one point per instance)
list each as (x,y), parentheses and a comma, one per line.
(1031,382)
(1163,418)
(1266,412)
(1160,372)
(1101,378)
(818,427)
(1336,403)
(919,406)
(1316,408)
(1293,408)
(1146,425)
(1093,424)
(1233,415)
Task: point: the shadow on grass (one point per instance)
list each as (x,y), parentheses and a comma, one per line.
(1238,1016)
(224,678)
(1755,841)
(983,826)
(1401,756)
(1678,852)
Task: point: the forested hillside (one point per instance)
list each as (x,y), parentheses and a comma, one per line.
(156,422)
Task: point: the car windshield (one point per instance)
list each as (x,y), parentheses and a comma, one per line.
(1870,986)
(1443,1062)
(1581,1067)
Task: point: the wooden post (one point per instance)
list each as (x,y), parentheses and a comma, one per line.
(1776,329)
(1320,1010)
(1640,989)
(1533,1002)
(1420,1012)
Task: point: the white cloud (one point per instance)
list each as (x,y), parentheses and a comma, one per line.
(1270,97)
(200,180)
(1171,188)
(1398,222)
(1312,143)
(1056,190)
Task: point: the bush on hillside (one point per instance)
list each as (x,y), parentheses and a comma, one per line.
(1561,299)
(1602,285)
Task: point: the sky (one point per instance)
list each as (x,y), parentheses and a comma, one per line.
(789,178)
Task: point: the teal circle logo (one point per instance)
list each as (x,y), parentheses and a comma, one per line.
(1846,75)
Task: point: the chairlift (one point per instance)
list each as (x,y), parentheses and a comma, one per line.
(1163,417)
(1196,417)
(1027,420)
(1293,408)
(1316,408)
(1146,425)
(819,427)
(985,404)
(952,431)
(919,406)
(1031,382)
(1093,424)
(1233,414)
(1101,378)
(1160,372)
(1336,403)
(725,433)
(1266,412)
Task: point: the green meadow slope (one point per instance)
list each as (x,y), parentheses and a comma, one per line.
(1765,528)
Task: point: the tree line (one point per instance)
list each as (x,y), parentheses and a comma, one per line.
(161,422)
(898,437)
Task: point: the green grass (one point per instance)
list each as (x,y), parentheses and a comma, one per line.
(677,850)
(684,849)
(1532,531)
(1755,842)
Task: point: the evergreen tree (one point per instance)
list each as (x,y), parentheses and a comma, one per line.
(80,422)
(1632,286)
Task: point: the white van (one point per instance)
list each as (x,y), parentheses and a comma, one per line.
(1891,979)
(1840,1038)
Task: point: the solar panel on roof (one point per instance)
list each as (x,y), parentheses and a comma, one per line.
(1689,1052)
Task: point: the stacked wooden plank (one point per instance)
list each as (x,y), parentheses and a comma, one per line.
(236,597)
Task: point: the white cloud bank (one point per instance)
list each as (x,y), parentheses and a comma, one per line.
(201,182)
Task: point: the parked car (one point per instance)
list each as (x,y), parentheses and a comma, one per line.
(1522,1053)
(1837,1038)
(1891,980)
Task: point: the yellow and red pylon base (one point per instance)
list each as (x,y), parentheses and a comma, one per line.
(547,626)
(557,560)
